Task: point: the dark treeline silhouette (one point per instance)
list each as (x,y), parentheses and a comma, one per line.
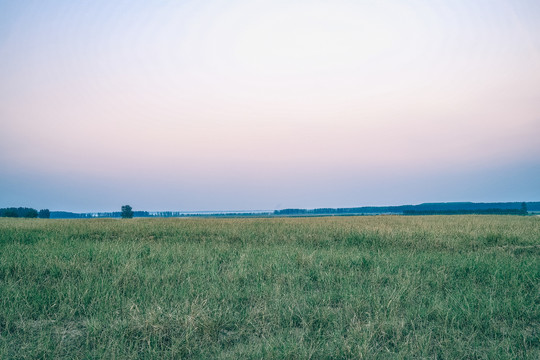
(24,212)
(152,214)
(467,212)
(21,212)
(506,208)
(426,208)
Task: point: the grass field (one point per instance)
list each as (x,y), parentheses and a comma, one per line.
(438,287)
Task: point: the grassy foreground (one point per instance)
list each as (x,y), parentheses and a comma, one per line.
(439,287)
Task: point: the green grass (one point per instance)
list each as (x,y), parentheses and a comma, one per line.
(438,287)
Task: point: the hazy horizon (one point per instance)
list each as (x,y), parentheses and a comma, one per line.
(245,105)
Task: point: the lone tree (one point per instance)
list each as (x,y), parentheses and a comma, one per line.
(44,214)
(524,208)
(127,212)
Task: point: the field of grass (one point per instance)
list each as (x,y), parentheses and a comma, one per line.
(438,287)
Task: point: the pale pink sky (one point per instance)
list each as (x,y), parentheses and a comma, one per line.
(209,105)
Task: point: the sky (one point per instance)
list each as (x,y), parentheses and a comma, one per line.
(256,105)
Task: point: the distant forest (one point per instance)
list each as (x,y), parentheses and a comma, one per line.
(24,212)
(453,208)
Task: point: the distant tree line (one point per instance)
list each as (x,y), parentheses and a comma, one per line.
(467,212)
(24,212)
(514,208)
(109,214)
(152,214)
(508,208)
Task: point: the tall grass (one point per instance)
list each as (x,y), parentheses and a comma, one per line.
(340,287)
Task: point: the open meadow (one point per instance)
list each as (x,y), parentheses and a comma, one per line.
(438,287)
